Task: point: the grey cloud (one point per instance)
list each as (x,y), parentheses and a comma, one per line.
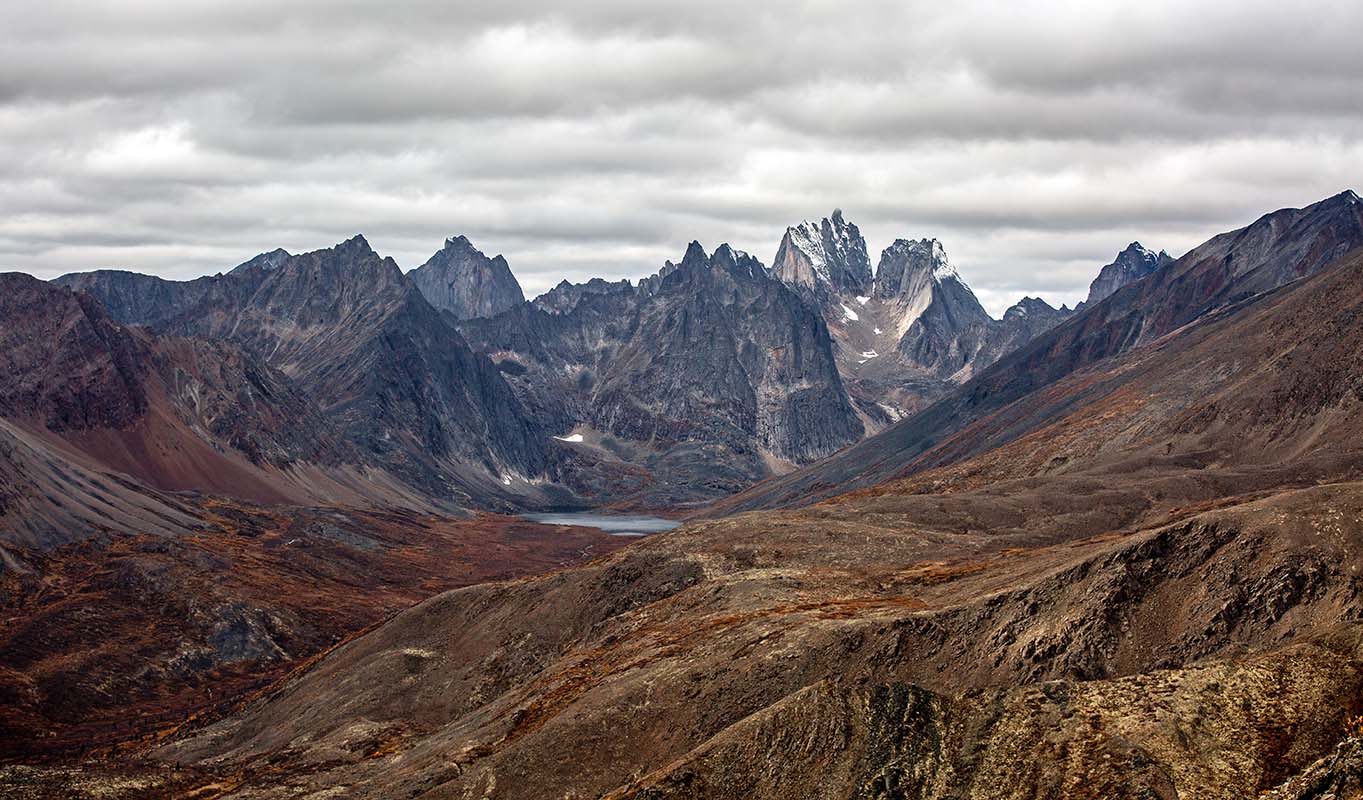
(1034,139)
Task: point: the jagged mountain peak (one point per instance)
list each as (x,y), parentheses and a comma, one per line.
(695,252)
(826,256)
(356,244)
(731,256)
(461,244)
(725,257)
(343,267)
(462,280)
(1132,264)
(909,264)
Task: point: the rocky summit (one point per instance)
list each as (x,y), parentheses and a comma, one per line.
(461,280)
(1131,265)
(260,532)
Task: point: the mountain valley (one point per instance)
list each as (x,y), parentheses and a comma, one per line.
(257,535)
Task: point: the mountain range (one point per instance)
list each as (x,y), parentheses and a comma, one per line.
(1108,551)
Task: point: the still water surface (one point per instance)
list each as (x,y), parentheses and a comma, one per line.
(614,524)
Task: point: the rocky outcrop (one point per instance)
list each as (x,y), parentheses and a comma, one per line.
(82,395)
(462,280)
(719,346)
(1021,323)
(264,261)
(65,364)
(941,327)
(1131,265)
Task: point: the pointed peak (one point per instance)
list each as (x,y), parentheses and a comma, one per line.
(695,251)
(356,243)
(837,215)
(910,263)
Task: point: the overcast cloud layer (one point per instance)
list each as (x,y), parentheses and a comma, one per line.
(1035,140)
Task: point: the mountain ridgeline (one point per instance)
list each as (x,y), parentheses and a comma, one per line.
(388,372)
(702,376)
(907,332)
(701,380)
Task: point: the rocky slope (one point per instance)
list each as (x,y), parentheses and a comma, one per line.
(1231,268)
(689,386)
(462,280)
(1139,578)
(390,373)
(83,397)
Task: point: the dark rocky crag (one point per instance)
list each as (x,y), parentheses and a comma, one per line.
(1131,265)
(825,260)
(462,280)
(82,394)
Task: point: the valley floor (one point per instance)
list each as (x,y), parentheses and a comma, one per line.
(988,642)
(119,641)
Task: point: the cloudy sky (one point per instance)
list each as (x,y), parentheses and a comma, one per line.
(181,137)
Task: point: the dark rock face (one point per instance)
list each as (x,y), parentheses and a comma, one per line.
(462,280)
(389,372)
(65,364)
(171,413)
(720,346)
(132,298)
(710,357)
(1131,265)
(1022,322)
